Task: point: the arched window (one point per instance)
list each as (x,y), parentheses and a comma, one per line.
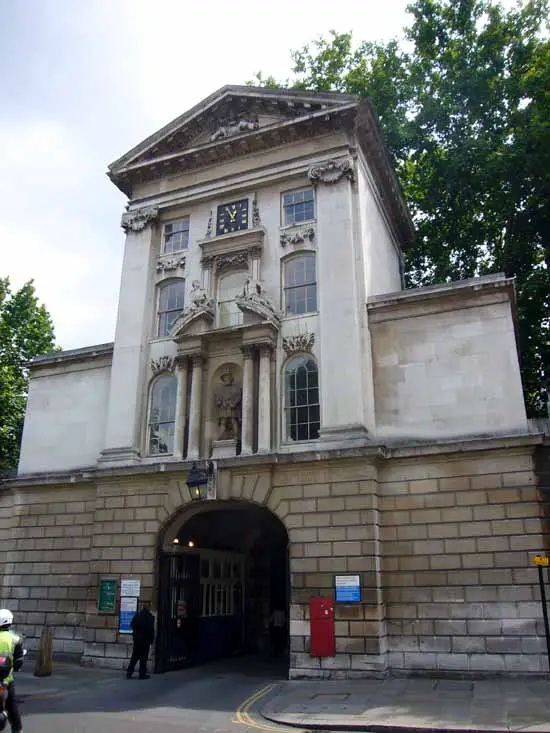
(302,399)
(171,299)
(162,415)
(228,287)
(300,284)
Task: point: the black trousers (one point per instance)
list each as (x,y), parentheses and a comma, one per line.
(140,652)
(12,709)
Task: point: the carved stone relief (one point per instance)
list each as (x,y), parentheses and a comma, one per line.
(301,342)
(200,305)
(229,128)
(136,221)
(209,226)
(299,237)
(255,300)
(227,403)
(332,171)
(168,264)
(235,259)
(162,364)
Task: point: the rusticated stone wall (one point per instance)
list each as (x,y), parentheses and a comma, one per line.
(441,539)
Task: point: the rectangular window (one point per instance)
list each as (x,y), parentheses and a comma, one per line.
(300,285)
(298,206)
(171,300)
(175,235)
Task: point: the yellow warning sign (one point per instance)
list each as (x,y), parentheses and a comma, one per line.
(541,560)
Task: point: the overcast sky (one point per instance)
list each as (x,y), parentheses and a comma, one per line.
(83,81)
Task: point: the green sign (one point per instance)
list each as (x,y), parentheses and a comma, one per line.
(106,602)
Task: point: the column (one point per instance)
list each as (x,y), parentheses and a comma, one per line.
(264,402)
(193,448)
(181,403)
(248,400)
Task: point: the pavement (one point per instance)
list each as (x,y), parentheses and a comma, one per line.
(413,704)
(223,696)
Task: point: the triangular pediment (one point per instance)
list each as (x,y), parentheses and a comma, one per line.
(232,113)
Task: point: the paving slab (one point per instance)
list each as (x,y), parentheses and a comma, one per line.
(413,704)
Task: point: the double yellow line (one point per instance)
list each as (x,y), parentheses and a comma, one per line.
(244,718)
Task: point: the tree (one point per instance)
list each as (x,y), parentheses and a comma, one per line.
(464,105)
(26,331)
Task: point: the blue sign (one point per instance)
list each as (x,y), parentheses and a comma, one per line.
(348,588)
(128,608)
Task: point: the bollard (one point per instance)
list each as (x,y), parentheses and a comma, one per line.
(43,665)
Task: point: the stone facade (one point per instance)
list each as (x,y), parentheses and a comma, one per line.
(421,478)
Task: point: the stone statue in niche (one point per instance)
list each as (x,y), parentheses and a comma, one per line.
(227,399)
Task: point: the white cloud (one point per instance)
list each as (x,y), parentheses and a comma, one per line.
(84,82)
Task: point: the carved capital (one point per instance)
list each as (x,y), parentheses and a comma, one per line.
(256,220)
(168,264)
(235,259)
(302,342)
(298,237)
(197,360)
(332,171)
(136,221)
(162,364)
(248,351)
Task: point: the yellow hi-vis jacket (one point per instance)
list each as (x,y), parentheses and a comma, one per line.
(9,640)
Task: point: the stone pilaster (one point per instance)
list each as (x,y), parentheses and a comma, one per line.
(193,450)
(181,405)
(247,400)
(128,372)
(264,401)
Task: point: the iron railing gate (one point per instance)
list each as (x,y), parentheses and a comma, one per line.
(179,610)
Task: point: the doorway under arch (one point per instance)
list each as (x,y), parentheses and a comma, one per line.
(223,585)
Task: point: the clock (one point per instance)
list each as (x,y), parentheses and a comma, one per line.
(232,217)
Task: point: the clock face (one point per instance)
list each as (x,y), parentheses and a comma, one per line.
(232,217)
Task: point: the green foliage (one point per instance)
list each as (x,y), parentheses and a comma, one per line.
(464,103)
(26,331)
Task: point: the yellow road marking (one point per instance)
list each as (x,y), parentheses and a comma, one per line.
(244,717)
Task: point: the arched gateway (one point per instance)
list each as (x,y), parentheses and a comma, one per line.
(223,570)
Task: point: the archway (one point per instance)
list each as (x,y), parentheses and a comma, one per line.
(223,584)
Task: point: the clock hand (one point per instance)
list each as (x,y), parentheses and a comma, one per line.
(232,216)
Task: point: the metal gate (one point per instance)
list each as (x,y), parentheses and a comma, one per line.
(179,610)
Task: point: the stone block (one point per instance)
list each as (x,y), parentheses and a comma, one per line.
(333,564)
(350,645)
(412,532)
(317,520)
(316,491)
(495,577)
(319,549)
(450,627)
(503,645)
(488,512)
(345,549)
(419,660)
(452,662)
(487,663)
(525,663)
(338,661)
(468,644)
(303,535)
(484,627)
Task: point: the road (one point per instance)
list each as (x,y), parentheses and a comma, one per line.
(219,698)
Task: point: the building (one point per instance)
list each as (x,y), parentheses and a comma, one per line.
(345,430)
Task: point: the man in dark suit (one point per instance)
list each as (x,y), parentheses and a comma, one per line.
(143,633)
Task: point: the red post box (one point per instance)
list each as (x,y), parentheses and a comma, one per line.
(321,613)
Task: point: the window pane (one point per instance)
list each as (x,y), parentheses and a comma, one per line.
(176,235)
(162,415)
(171,304)
(302,399)
(298,206)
